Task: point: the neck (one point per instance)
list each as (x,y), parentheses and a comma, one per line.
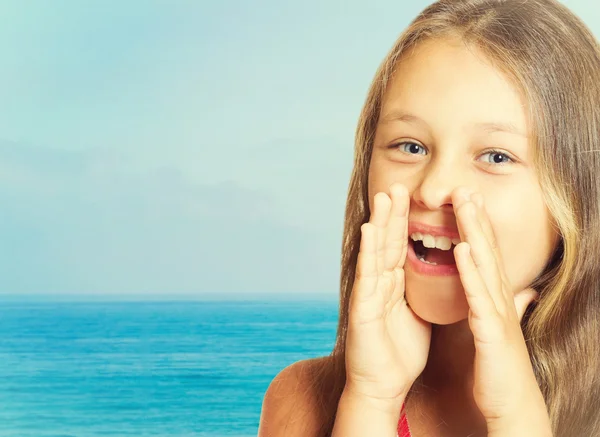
(451,355)
(444,390)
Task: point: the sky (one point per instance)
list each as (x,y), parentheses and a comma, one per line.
(182,147)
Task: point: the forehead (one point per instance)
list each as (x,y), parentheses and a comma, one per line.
(452,87)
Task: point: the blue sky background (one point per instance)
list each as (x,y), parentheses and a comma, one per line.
(184,147)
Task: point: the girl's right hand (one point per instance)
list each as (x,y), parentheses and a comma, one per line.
(387,344)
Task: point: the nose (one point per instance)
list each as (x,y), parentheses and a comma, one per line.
(435,185)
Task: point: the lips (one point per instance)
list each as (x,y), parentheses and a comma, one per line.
(435,231)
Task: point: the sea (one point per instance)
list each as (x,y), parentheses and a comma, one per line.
(77,368)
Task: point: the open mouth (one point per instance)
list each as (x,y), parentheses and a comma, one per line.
(433,256)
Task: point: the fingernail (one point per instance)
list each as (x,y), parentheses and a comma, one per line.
(466,195)
(477,198)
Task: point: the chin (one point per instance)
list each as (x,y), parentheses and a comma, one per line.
(439,300)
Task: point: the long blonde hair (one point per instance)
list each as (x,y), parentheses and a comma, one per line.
(554,61)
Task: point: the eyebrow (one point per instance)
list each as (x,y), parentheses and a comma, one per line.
(489,127)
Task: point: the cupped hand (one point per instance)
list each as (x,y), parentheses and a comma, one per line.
(505,388)
(387,344)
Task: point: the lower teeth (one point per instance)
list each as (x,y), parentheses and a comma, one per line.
(426,262)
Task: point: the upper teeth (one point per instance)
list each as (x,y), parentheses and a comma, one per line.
(443,243)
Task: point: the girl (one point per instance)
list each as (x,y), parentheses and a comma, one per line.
(469,286)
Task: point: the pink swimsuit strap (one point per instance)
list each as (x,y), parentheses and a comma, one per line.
(403,429)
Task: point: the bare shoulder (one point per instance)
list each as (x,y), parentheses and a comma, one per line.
(289,406)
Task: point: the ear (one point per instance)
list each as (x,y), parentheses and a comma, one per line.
(523,299)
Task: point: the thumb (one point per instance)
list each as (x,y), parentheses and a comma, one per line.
(523,299)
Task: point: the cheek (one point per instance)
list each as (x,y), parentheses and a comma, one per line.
(382,174)
(523,241)
(379,180)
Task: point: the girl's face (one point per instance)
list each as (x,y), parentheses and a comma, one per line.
(438,107)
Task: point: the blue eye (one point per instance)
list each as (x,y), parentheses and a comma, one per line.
(503,157)
(413,149)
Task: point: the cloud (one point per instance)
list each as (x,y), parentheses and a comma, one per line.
(79,222)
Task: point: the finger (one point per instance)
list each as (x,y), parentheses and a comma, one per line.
(523,299)
(398,296)
(481,253)
(382,205)
(479,299)
(396,236)
(366,264)
(488,231)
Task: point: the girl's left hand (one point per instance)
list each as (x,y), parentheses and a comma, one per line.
(504,385)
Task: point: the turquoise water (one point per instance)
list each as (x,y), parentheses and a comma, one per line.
(86,369)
